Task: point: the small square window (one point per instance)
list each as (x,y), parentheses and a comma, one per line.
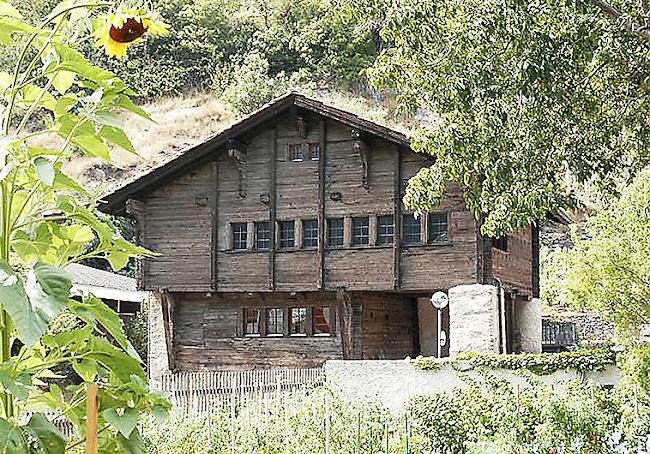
(275,321)
(438,227)
(412,229)
(298,151)
(239,235)
(322,321)
(252,322)
(262,235)
(501,243)
(361,228)
(314,151)
(287,234)
(298,321)
(385,230)
(309,233)
(335,232)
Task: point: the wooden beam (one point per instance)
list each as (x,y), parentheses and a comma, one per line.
(535,266)
(136,209)
(344,311)
(483,256)
(320,280)
(272,205)
(237,152)
(214,223)
(168,308)
(92,416)
(397,217)
(360,145)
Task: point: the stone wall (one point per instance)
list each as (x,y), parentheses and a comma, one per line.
(473,319)
(528,321)
(157,355)
(393,383)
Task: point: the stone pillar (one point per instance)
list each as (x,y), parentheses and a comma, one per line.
(528,324)
(473,319)
(157,355)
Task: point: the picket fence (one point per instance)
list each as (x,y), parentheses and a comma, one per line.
(198,392)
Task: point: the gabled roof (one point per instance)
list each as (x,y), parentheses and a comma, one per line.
(115,202)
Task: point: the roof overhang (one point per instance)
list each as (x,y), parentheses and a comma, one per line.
(115,203)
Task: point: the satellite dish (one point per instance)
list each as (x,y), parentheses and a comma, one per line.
(439,300)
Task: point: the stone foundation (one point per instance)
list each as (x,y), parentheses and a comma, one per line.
(157,356)
(528,322)
(474,319)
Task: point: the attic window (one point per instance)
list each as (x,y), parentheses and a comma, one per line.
(298,152)
(239,235)
(501,243)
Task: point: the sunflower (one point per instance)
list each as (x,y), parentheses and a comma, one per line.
(121,28)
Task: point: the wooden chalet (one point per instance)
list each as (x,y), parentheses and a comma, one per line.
(283,241)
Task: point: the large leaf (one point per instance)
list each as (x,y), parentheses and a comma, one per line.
(132,445)
(124,422)
(73,61)
(19,385)
(8,10)
(115,360)
(92,310)
(12,440)
(117,137)
(54,281)
(45,170)
(93,146)
(50,439)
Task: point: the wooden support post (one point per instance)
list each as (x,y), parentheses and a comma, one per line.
(397,218)
(272,206)
(91,419)
(320,280)
(214,220)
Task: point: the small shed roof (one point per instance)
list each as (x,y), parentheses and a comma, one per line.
(103,284)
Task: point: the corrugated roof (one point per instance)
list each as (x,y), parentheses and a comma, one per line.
(87,276)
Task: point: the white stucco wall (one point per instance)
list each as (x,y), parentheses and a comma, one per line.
(473,319)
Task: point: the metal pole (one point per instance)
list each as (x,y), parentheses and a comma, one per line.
(439,332)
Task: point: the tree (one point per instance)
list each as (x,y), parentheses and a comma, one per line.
(47,220)
(608,269)
(527,95)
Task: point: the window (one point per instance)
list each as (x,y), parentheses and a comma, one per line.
(314,151)
(361,229)
(438,227)
(298,321)
(252,322)
(310,233)
(239,235)
(335,232)
(287,234)
(262,235)
(501,243)
(322,323)
(275,321)
(298,151)
(412,229)
(385,230)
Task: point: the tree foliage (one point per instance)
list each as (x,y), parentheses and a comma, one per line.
(527,94)
(47,220)
(609,270)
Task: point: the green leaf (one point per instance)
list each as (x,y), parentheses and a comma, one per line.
(125,102)
(132,445)
(12,440)
(50,439)
(73,61)
(118,259)
(18,385)
(108,118)
(8,10)
(125,422)
(54,281)
(45,170)
(93,310)
(117,137)
(63,80)
(93,146)
(86,369)
(120,364)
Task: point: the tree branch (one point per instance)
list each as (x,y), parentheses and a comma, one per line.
(622,20)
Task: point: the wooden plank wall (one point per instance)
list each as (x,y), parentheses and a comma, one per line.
(515,267)
(389,327)
(178,224)
(180,229)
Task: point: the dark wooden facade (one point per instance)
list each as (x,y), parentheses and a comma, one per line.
(250,174)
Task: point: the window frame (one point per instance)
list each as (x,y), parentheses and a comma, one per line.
(329,320)
(259,322)
(404,240)
(298,152)
(431,239)
(329,233)
(267,322)
(355,239)
(314,146)
(501,243)
(313,230)
(305,322)
(233,238)
(257,237)
(379,240)
(281,244)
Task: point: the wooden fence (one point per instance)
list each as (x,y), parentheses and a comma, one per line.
(197,392)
